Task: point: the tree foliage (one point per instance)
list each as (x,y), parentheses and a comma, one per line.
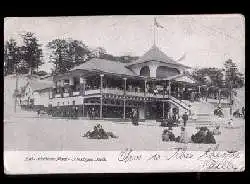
(22,58)
(12,56)
(233,78)
(203,74)
(67,53)
(31,51)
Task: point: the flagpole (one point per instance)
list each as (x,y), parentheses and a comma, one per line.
(154,31)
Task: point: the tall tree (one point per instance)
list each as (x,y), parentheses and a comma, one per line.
(31,51)
(234,78)
(78,52)
(12,56)
(59,56)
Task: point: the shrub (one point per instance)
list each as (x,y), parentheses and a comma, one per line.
(99,133)
(167,135)
(203,136)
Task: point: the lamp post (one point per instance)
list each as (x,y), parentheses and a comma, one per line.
(124,100)
(101,86)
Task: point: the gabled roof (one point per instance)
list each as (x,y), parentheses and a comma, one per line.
(155,54)
(104,65)
(37,85)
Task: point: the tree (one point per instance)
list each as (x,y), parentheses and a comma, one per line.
(214,74)
(31,51)
(12,56)
(234,79)
(99,52)
(78,52)
(59,55)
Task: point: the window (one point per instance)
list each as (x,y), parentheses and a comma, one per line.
(66,81)
(66,90)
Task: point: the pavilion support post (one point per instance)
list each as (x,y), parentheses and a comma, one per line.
(82,91)
(169,87)
(101,98)
(145,102)
(124,100)
(83,108)
(219,95)
(199,92)
(124,109)
(163,109)
(82,86)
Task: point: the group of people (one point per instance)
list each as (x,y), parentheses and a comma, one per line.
(239,114)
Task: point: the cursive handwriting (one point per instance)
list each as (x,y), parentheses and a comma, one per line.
(218,164)
(155,157)
(181,155)
(219,160)
(215,155)
(128,156)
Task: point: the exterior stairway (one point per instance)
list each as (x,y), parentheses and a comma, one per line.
(201,112)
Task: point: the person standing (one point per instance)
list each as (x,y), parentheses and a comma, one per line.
(134,117)
(185,118)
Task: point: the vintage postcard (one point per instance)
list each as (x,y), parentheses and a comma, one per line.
(124,94)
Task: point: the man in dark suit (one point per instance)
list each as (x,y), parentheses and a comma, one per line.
(185,118)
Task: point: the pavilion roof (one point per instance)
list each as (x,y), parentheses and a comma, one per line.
(104,65)
(155,54)
(37,84)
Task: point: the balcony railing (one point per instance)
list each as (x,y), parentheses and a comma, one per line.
(113,91)
(58,95)
(65,94)
(92,91)
(76,93)
(132,93)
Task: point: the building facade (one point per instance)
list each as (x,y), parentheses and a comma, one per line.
(36,94)
(155,85)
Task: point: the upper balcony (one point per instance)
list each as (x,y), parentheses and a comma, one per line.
(113,91)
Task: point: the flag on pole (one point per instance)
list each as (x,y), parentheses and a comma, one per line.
(157,24)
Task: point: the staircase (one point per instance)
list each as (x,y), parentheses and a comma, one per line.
(203,111)
(183,105)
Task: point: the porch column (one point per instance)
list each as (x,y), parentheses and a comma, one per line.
(124,100)
(219,92)
(178,95)
(71,84)
(163,109)
(101,86)
(145,88)
(82,86)
(145,101)
(169,87)
(199,89)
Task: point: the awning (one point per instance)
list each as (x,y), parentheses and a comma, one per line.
(185,79)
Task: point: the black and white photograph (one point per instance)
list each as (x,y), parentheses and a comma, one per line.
(170,85)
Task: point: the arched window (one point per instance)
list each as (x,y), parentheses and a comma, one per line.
(145,71)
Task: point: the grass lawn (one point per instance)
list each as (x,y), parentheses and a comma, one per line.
(41,134)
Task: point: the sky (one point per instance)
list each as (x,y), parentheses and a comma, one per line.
(205,40)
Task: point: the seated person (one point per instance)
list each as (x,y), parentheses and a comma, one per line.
(216,131)
(230,123)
